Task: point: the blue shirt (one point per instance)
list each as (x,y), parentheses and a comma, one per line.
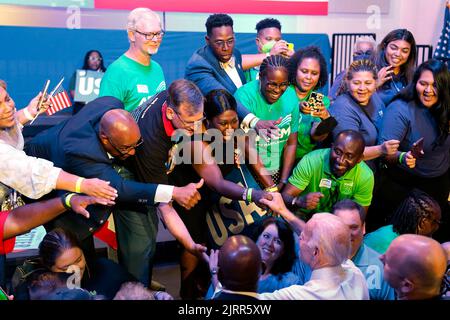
(367,260)
(352,116)
(409,121)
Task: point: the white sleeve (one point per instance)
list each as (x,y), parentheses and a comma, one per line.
(32,177)
(163,193)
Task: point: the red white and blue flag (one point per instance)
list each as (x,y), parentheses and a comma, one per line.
(60,100)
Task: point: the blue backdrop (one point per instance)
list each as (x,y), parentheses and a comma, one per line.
(32,55)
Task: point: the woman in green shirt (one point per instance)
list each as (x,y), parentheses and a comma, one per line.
(307,74)
(270,98)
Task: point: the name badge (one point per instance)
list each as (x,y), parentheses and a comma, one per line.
(142,88)
(325,183)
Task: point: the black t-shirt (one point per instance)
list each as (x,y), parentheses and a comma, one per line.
(149,163)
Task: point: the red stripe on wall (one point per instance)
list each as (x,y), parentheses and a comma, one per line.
(220,6)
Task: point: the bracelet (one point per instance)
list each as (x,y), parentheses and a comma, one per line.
(78,185)
(400,159)
(27,114)
(155,294)
(249,194)
(293,201)
(284,181)
(271,188)
(65,199)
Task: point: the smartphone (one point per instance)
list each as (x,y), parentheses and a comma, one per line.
(417,148)
(44,95)
(3,294)
(290,46)
(315,101)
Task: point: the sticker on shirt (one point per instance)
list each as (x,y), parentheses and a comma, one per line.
(346,188)
(325,183)
(142,88)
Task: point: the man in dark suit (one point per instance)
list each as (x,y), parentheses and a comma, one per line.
(238,269)
(92,143)
(218,65)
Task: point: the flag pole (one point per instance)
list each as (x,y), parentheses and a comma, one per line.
(49,96)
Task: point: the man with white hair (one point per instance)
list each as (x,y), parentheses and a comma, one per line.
(325,247)
(134,77)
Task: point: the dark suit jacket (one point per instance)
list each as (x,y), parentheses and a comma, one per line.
(204,70)
(74,146)
(233,296)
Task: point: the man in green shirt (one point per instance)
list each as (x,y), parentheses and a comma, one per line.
(326,176)
(134,77)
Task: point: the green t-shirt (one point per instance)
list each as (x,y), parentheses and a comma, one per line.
(305,144)
(286,107)
(131,82)
(313,174)
(380,239)
(251,74)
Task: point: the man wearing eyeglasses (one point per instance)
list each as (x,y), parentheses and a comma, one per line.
(95,142)
(326,176)
(134,77)
(218,65)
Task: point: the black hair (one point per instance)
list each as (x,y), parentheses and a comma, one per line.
(273,62)
(268,23)
(415,207)
(217,102)
(54,244)
(86,60)
(284,263)
(185,91)
(380,55)
(308,52)
(348,204)
(47,283)
(441,111)
(355,135)
(357,66)
(218,20)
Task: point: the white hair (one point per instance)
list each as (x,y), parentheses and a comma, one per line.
(139,14)
(331,236)
(368,39)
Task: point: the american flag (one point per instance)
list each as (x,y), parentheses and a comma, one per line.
(60,100)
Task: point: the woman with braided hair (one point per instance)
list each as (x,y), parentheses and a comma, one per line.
(271,98)
(417,214)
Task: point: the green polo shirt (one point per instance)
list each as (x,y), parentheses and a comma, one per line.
(286,107)
(131,82)
(305,144)
(313,174)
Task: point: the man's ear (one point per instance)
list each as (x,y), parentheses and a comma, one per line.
(364,228)
(207,40)
(131,36)
(406,286)
(169,113)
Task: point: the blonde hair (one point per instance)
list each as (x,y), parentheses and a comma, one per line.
(3,84)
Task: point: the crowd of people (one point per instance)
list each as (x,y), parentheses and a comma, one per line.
(372,156)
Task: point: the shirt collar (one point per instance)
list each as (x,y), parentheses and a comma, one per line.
(361,257)
(229,64)
(245,293)
(168,126)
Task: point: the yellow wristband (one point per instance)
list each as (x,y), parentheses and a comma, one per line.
(271,189)
(78,185)
(67,200)
(27,114)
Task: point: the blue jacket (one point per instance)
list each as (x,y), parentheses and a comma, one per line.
(204,70)
(74,146)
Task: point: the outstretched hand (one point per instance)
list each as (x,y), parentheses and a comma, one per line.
(79,203)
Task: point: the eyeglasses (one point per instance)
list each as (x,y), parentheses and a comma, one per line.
(94,59)
(274,85)
(189,124)
(221,43)
(151,35)
(126,150)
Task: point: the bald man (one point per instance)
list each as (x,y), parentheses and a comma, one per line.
(91,144)
(238,269)
(415,266)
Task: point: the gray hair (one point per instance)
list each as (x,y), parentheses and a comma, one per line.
(332,236)
(368,39)
(185,91)
(134,291)
(139,14)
